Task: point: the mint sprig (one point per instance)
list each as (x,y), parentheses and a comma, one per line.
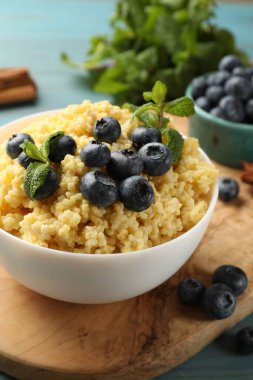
(35,177)
(37,171)
(152,115)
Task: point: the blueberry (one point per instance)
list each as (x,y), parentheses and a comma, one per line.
(156,157)
(199,86)
(214,94)
(61,147)
(124,163)
(239,87)
(232,276)
(49,186)
(244,340)
(229,62)
(13,146)
(218,79)
(136,193)
(228,189)
(24,160)
(216,112)
(218,301)
(232,109)
(95,154)
(249,109)
(190,291)
(107,129)
(99,189)
(203,103)
(244,72)
(141,136)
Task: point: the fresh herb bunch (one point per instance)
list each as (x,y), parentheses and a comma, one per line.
(170,40)
(152,115)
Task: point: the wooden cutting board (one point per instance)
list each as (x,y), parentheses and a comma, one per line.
(136,339)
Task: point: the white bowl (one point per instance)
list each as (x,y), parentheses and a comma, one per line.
(93,279)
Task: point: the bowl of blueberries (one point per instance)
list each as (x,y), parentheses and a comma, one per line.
(223,121)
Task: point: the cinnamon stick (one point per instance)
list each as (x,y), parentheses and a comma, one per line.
(17,94)
(16,86)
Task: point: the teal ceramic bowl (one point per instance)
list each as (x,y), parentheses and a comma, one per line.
(224,141)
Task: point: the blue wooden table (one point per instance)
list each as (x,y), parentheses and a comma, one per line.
(33,33)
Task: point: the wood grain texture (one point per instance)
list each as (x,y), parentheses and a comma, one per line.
(30,36)
(132,340)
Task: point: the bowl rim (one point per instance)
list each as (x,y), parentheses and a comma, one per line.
(51,251)
(224,123)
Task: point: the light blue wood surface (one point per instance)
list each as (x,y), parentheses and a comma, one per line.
(33,33)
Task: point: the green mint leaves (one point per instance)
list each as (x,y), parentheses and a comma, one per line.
(37,171)
(158,93)
(152,115)
(180,107)
(31,150)
(41,154)
(175,144)
(45,147)
(35,177)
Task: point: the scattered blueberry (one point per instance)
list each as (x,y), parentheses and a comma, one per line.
(141,136)
(249,109)
(214,94)
(61,147)
(229,62)
(239,87)
(203,103)
(95,154)
(199,86)
(218,79)
(124,163)
(218,301)
(13,146)
(136,193)
(99,189)
(228,189)
(232,108)
(244,341)
(24,160)
(49,186)
(156,157)
(190,291)
(216,112)
(232,276)
(107,130)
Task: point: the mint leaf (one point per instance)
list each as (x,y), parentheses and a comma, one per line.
(130,107)
(149,118)
(147,95)
(159,92)
(180,107)
(175,144)
(146,107)
(35,177)
(45,147)
(31,150)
